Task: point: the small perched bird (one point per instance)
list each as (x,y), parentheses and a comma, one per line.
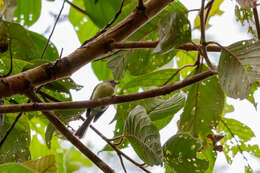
(103,89)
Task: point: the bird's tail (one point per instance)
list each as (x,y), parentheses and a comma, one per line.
(83,128)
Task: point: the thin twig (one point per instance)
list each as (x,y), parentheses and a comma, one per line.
(233,136)
(61,52)
(55,24)
(257,25)
(224,48)
(180,69)
(11,60)
(70,137)
(122,162)
(107,26)
(11,127)
(152,44)
(117,150)
(203,36)
(43,94)
(209,7)
(108,100)
(76,7)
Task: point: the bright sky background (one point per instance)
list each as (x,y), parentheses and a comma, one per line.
(225,31)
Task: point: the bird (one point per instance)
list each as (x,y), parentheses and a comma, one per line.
(103,89)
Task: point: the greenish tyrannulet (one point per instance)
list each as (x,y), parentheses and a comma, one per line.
(103,89)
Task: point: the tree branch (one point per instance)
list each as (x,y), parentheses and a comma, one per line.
(108,100)
(153,44)
(203,36)
(68,65)
(70,137)
(257,25)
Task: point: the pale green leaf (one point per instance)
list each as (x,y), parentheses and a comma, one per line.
(143,136)
(238,73)
(174,31)
(203,108)
(46,164)
(13,168)
(16,147)
(180,154)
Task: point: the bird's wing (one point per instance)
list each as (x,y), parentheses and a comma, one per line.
(98,115)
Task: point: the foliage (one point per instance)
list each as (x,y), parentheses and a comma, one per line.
(34,145)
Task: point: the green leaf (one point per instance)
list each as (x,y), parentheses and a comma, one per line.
(14,167)
(101,70)
(46,164)
(149,31)
(118,63)
(203,108)
(157,78)
(82,23)
(27,12)
(101,11)
(238,73)
(180,154)
(143,136)
(174,31)
(38,150)
(39,42)
(16,147)
(185,58)
(21,39)
(142,61)
(215,10)
(239,129)
(74,160)
(242,133)
(166,108)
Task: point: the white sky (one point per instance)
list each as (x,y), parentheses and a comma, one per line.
(224,31)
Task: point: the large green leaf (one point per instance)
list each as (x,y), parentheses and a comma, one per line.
(20,38)
(149,30)
(74,160)
(101,11)
(102,71)
(157,78)
(46,164)
(238,73)
(243,134)
(143,61)
(118,63)
(38,150)
(143,136)
(174,31)
(82,24)
(16,145)
(14,167)
(27,12)
(164,110)
(180,154)
(203,108)
(215,10)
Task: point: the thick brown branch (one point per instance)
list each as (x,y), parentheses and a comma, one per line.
(70,137)
(257,25)
(152,44)
(108,100)
(66,66)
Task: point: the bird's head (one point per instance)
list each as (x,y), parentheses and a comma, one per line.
(113,82)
